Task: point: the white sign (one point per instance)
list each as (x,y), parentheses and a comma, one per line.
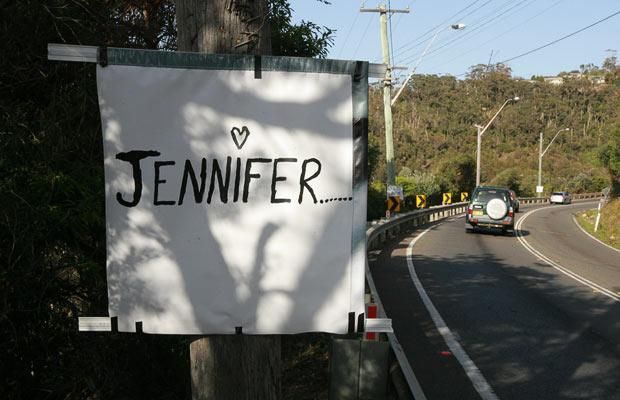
(230,200)
(539,189)
(395,191)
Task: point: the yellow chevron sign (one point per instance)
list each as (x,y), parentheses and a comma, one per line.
(464,196)
(420,201)
(447,198)
(393,204)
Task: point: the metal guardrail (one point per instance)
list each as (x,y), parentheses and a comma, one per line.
(379,232)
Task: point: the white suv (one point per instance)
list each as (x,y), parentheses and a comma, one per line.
(560,198)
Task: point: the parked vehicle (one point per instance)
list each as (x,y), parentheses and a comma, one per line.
(560,198)
(490,207)
(515,200)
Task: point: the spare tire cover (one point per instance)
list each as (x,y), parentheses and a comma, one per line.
(496,209)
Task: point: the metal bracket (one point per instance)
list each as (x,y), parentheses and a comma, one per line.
(68,52)
(95,324)
(379,325)
(377,70)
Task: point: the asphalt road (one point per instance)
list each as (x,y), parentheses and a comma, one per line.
(527,328)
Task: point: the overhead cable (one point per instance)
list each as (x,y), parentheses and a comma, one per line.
(348,34)
(520,24)
(560,39)
(422,38)
(479,27)
(362,37)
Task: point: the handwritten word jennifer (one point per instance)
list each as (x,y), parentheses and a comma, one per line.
(226,175)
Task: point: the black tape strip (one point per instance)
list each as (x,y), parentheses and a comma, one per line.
(114,324)
(139,327)
(360,323)
(102,56)
(351,322)
(238,330)
(258,67)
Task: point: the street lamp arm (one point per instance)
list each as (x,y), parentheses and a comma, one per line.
(458,26)
(495,116)
(549,145)
(481,131)
(415,67)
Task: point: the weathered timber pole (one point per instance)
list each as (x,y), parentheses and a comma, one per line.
(240,367)
(223,26)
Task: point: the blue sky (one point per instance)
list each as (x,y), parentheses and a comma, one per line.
(496,29)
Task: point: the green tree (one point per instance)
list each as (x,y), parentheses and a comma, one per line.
(305,39)
(434,123)
(457,174)
(509,178)
(610,64)
(419,183)
(52,226)
(610,158)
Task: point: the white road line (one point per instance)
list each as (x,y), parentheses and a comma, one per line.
(412,380)
(564,270)
(593,238)
(475,376)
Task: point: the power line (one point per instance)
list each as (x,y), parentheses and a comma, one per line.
(397,74)
(422,38)
(560,39)
(348,34)
(446,47)
(400,16)
(391,35)
(520,24)
(492,18)
(362,37)
(552,42)
(463,18)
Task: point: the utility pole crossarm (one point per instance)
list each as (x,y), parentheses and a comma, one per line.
(383,9)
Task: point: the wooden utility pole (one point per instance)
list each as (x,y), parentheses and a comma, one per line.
(223,26)
(387,89)
(235,366)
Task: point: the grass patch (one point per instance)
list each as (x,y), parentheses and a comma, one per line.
(609,225)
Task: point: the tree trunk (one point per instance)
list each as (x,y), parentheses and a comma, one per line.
(235,367)
(230,367)
(223,26)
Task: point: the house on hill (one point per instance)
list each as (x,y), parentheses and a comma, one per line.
(553,80)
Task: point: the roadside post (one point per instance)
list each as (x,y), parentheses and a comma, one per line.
(598,215)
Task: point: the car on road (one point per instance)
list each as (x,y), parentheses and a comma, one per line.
(515,200)
(490,207)
(560,198)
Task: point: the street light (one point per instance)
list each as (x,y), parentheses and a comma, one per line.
(481,131)
(458,26)
(541,153)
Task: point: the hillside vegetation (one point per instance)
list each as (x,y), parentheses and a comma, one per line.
(435,136)
(609,224)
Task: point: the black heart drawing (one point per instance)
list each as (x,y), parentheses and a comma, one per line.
(240,136)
